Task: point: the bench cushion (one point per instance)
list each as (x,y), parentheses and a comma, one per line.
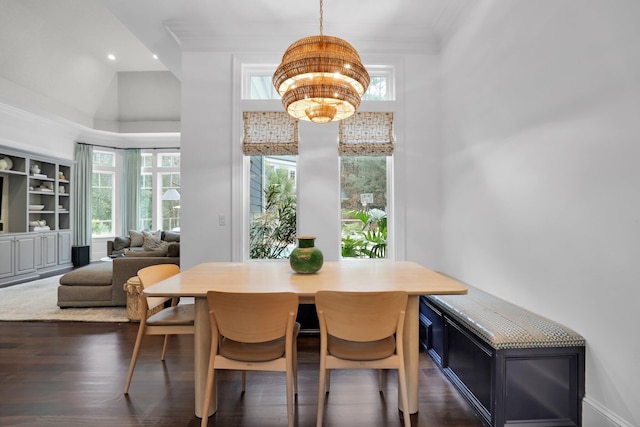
(98,274)
(504,325)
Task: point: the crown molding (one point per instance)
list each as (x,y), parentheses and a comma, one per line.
(21,127)
(194,37)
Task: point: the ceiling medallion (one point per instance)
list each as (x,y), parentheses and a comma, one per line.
(321,78)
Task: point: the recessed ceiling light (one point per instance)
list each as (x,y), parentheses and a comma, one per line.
(155,56)
(111,57)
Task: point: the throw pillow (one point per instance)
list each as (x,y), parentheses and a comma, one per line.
(152,242)
(119,243)
(137,238)
(171,236)
(154,245)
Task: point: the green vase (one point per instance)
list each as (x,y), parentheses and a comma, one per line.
(306,258)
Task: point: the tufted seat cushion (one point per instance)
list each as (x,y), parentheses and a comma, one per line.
(504,325)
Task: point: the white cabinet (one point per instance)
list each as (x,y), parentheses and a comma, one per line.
(46,250)
(35,214)
(64,247)
(37,193)
(6,257)
(17,255)
(25,253)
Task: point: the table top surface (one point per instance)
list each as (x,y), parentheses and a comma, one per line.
(277,276)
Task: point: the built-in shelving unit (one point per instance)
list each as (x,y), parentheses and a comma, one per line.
(35,214)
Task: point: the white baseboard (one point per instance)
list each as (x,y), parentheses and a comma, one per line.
(594,414)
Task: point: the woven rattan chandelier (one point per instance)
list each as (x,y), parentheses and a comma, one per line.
(321,78)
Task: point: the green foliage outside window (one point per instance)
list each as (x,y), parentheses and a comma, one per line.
(368,237)
(145,206)
(102,204)
(273,231)
(364,226)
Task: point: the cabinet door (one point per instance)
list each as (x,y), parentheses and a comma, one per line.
(6,257)
(64,248)
(49,250)
(25,254)
(39,262)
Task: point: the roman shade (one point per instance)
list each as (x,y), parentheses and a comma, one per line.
(269,133)
(366,134)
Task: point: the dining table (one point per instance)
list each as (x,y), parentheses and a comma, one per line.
(276,276)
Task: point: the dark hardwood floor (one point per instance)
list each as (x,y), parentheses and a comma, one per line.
(72,374)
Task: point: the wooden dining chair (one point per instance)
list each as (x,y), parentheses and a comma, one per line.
(361,330)
(253,332)
(175,319)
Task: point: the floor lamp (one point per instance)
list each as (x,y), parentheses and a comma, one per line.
(173,195)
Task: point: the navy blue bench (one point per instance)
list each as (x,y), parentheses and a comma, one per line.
(513,366)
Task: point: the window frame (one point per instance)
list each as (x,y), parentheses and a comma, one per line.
(115,204)
(263,70)
(248,65)
(157,171)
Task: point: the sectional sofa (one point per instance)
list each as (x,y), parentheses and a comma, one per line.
(101,284)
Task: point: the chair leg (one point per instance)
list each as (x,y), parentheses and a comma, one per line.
(289,376)
(244,381)
(295,368)
(380,380)
(134,356)
(208,392)
(402,383)
(327,386)
(164,347)
(321,393)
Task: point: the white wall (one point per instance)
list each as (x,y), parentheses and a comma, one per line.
(205,157)
(29,132)
(541,193)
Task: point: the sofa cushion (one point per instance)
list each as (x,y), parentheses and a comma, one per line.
(120,243)
(98,274)
(146,254)
(137,238)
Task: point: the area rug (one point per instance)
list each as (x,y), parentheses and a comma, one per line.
(36,301)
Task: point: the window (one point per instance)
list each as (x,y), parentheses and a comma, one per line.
(380,84)
(159,208)
(262,88)
(365,145)
(257,83)
(146,201)
(365,169)
(272,195)
(170,201)
(363,183)
(102,194)
(271,145)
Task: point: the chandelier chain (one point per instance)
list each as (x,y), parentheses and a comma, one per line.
(321,2)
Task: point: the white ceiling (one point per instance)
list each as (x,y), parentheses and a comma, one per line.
(368,24)
(57,49)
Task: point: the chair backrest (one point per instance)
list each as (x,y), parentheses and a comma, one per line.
(360,316)
(253,317)
(154,274)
